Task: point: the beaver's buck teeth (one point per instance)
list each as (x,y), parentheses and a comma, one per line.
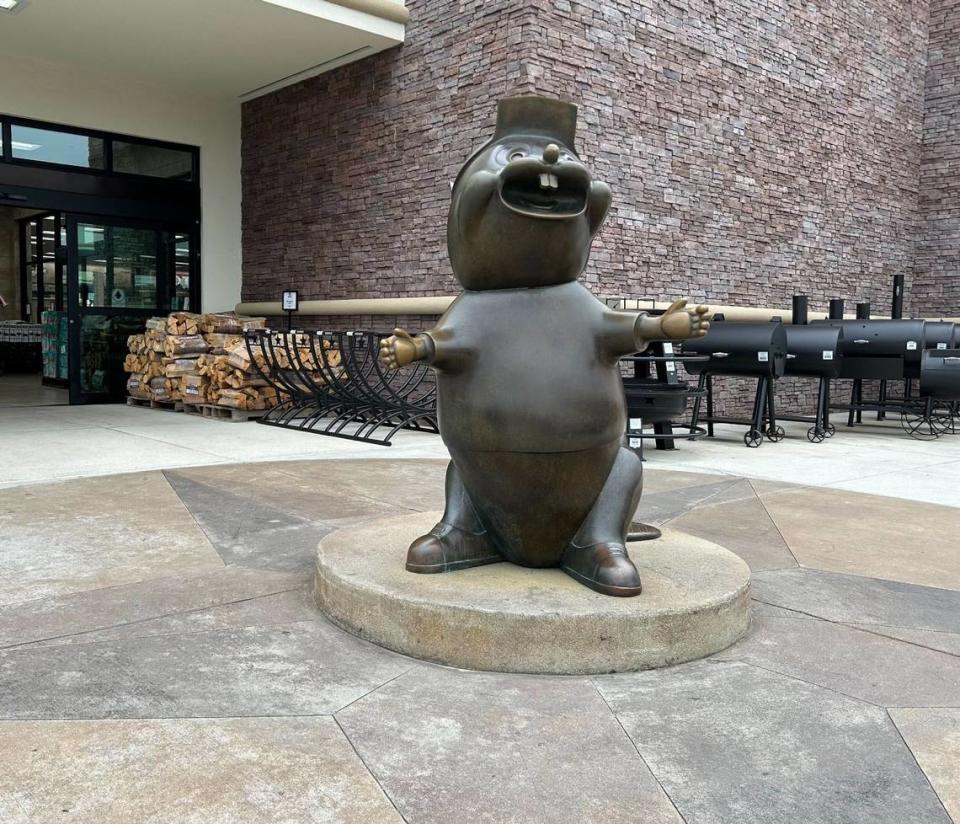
(549,181)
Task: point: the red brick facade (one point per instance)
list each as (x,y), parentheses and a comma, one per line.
(755,149)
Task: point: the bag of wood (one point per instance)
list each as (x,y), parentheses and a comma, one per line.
(219,341)
(175,367)
(222,323)
(184,345)
(183,323)
(137,387)
(193,388)
(252,323)
(153,340)
(239,358)
(159,390)
(156,325)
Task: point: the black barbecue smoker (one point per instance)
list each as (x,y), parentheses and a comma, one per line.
(814,352)
(749,350)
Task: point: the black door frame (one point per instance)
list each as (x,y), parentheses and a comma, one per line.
(166,287)
(58,260)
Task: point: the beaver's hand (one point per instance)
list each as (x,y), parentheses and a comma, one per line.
(681,323)
(401,348)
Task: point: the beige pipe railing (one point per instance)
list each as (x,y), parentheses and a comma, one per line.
(437,305)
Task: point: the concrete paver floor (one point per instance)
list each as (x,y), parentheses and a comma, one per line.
(161,658)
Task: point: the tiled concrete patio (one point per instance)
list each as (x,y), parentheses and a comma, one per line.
(161,661)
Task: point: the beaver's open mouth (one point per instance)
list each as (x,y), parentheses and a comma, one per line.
(538,189)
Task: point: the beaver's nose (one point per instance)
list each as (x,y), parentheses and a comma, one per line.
(551,154)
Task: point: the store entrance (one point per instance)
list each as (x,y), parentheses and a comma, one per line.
(98,231)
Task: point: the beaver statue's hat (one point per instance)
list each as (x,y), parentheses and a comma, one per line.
(531,115)
(553,119)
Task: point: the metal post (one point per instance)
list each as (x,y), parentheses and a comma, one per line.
(771,407)
(710,405)
(759,405)
(863,311)
(836,309)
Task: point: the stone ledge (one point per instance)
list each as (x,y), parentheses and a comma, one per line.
(508,618)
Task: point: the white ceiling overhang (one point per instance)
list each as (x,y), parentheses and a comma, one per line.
(224,48)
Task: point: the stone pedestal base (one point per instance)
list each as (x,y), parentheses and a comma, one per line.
(508,618)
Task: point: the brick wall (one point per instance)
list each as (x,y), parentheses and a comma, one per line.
(756,149)
(937,288)
(346,176)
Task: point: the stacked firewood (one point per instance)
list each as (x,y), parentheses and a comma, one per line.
(204,359)
(144,362)
(235,379)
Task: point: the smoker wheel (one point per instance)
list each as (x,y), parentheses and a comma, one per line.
(815,435)
(918,424)
(753,438)
(776,434)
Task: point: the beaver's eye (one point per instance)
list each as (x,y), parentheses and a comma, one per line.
(515,155)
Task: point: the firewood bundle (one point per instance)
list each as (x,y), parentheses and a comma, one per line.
(197,389)
(146,364)
(219,341)
(137,387)
(183,323)
(176,345)
(177,367)
(249,397)
(155,340)
(165,389)
(229,323)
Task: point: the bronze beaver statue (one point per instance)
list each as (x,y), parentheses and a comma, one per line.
(529,396)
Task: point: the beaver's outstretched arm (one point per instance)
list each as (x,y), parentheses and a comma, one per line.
(435,347)
(626,332)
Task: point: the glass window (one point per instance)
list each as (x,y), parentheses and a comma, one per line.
(48,146)
(118,266)
(153,161)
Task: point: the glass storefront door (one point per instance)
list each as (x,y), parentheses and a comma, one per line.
(119,273)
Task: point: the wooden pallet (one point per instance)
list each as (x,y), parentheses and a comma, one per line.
(223,413)
(148,403)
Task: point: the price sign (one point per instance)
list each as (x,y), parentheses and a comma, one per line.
(291,301)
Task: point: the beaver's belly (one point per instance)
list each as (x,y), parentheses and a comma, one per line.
(533,503)
(527,410)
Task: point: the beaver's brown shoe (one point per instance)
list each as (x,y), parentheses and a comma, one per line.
(604,568)
(446,548)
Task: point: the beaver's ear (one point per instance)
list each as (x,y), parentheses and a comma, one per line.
(598,204)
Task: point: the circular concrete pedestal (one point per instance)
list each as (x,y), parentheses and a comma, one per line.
(695,602)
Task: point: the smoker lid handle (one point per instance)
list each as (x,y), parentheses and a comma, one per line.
(789,356)
(720,354)
(861,340)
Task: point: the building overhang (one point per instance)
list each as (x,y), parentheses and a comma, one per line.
(237,49)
